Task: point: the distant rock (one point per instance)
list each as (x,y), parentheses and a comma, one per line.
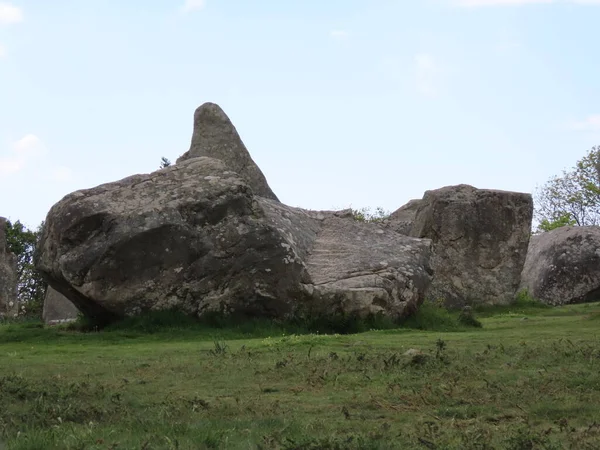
(402,219)
(563,266)
(216,137)
(480,240)
(8,275)
(57,308)
(412,352)
(200,237)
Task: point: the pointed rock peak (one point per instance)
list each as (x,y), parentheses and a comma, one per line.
(216,137)
(211,112)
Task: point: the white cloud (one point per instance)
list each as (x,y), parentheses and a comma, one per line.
(483,3)
(426,73)
(10,13)
(29,157)
(23,152)
(193,5)
(591,123)
(30,144)
(338,34)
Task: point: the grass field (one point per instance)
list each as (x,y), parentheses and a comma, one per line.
(528,379)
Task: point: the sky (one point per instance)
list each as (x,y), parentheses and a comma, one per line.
(342,103)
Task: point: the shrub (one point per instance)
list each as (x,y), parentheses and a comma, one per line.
(468,319)
(432,316)
(366,215)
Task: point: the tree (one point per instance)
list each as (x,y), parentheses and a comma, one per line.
(572,198)
(31,287)
(164,162)
(562,221)
(366,215)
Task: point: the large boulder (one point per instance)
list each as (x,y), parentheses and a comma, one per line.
(480,240)
(196,237)
(563,266)
(8,275)
(58,308)
(216,137)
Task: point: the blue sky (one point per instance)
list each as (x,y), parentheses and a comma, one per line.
(340,102)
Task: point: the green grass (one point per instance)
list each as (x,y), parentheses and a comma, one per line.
(168,325)
(528,379)
(523,304)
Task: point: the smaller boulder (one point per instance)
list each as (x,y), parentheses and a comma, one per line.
(412,352)
(58,308)
(402,219)
(563,266)
(480,240)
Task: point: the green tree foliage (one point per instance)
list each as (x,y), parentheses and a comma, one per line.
(366,215)
(572,198)
(562,221)
(31,287)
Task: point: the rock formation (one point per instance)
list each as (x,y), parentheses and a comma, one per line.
(402,219)
(57,308)
(563,266)
(208,234)
(8,276)
(216,137)
(480,240)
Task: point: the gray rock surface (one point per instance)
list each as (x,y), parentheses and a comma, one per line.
(367,268)
(195,237)
(8,276)
(216,137)
(57,308)
(402,219)
(480,240)
(563,266)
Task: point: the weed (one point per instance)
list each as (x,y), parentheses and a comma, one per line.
(440,346)
(220,348)
(434,317)
(366,215)
(391,361)
(524,438)
(524,304)
(468,319)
